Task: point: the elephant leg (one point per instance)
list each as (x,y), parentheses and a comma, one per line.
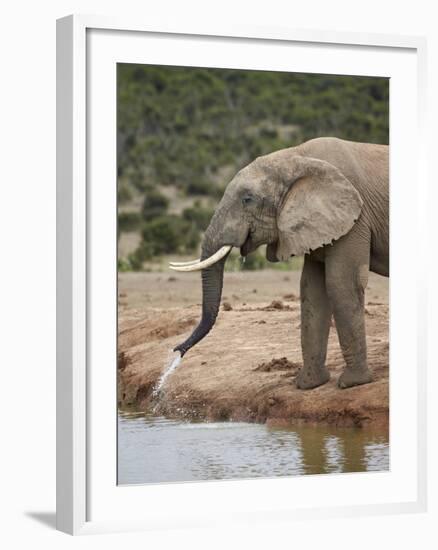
(315,325)
(347,266)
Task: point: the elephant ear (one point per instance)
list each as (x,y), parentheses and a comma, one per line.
(319,206)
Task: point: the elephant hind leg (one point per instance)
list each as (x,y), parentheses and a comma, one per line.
(315,325)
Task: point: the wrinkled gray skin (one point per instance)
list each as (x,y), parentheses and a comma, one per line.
(329,200)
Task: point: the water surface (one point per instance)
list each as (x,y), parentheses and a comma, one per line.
(154,449)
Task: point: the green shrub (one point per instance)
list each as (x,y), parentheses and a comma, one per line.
(200,217)
(128,221)
(167,234)
(124,194)
(198,187)
(154,205)
(193,128)
(257,260)
(136,259)
(123,265)
(138,179)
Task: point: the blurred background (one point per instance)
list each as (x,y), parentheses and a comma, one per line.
(184,132)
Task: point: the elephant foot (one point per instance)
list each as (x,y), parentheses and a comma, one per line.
(307,379)
(352,377)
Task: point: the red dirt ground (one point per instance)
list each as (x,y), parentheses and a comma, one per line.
(245,368)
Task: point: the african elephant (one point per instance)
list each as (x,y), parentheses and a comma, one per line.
(329,200)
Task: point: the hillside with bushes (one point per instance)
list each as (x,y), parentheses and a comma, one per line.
(184,132)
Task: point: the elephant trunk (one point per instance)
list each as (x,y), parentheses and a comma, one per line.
(212,282)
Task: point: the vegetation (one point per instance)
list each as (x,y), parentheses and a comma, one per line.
(198,216)
(257,260)
(154,205)
(183,133)
(129,221)
(168,234)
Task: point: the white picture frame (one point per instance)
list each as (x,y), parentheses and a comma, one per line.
(86,502)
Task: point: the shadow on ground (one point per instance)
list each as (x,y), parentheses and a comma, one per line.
(46,518)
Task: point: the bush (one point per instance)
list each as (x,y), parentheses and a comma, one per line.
(193,128)
(123,265)
(200,217)
(124,194)
(138,179)
(128,221)
(257,260)
(136,259)
(198,187)
(167,234)
(155,204)
(179,125)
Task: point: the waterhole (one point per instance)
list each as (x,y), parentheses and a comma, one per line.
(154,449)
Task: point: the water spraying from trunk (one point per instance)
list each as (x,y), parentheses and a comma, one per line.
(172,366)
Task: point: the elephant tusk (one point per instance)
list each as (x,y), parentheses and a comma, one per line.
(179,264)
(205,263)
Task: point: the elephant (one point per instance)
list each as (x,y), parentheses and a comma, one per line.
(326,199)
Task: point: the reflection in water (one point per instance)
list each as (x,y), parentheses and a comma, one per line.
(155,449)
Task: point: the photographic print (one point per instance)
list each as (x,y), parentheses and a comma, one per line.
(253,274)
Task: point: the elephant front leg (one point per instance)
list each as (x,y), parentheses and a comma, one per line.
(315,326)
(346,284)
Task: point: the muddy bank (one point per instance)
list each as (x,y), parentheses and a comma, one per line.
(245,369)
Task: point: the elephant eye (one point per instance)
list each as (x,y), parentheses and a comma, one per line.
(246,199)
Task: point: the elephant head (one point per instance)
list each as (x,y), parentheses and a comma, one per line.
(292,203)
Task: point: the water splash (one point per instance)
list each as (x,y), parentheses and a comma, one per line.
(165,375)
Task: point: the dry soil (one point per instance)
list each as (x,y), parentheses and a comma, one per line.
(245,368)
